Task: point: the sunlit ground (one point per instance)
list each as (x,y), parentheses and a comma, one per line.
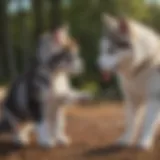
(93,129)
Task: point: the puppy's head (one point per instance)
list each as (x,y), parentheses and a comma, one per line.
(60,51)
(115,44)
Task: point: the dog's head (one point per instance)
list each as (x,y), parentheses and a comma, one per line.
(60,52)
(115,44)
(125,45)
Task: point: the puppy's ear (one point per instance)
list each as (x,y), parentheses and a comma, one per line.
(109,21)
(60,35)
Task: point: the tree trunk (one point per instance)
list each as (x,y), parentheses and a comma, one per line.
(56,14)
(6,42)
(38,17)
(24,36)
(2,72)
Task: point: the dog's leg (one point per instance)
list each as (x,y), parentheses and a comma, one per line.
(129,121)
(44,125)
(129,114)
(134,122)
(61,136)
(138,123)
(150,125)
(21,135)
(131,109)
(44,136)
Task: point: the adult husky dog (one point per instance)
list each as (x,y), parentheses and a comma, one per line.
(36,98)
(132,51)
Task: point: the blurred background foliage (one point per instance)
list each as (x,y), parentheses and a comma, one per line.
(22,21)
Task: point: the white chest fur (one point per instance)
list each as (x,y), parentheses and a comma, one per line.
(60,84)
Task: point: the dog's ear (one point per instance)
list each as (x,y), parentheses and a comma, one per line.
(60,35)
(123,26)
(113,24)
(109,21)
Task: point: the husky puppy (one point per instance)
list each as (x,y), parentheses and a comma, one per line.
(131,50)
(37,97)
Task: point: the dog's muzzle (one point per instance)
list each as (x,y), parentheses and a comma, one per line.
(106,74)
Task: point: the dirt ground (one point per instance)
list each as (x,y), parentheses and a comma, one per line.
(93,129)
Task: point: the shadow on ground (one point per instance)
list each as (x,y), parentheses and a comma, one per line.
(92,131)
(7,148)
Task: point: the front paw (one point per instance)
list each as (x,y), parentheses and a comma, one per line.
(21,140)
(47,143)
(44,137)
(146,145)
(123,141)
(63,140)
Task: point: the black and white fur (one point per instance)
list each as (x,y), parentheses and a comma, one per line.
(37,98)
(132,51)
